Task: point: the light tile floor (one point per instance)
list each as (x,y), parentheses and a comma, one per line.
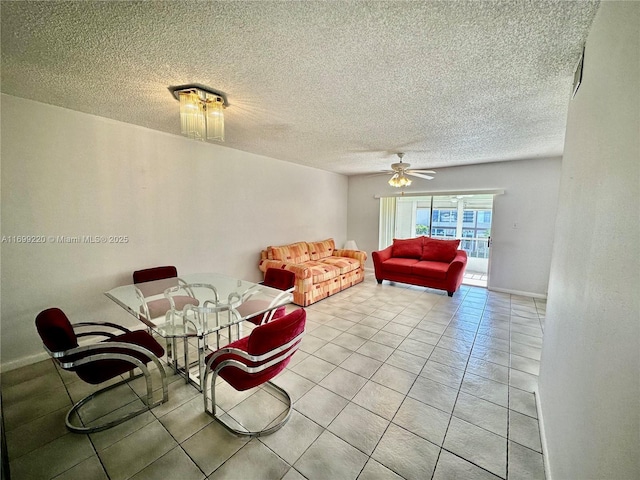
(391,382)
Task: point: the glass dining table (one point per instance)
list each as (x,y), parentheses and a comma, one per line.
(192,307)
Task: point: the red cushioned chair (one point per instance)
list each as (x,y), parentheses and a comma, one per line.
(150,286)
(253,361)
(98,362)
(276,278)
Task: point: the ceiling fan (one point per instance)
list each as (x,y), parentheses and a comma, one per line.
(400,171)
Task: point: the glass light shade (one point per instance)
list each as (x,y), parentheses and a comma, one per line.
(215,118)
(192,121)
(399,180)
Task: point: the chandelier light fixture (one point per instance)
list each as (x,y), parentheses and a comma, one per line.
(201,112)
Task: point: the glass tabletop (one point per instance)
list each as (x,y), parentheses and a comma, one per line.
(221,301)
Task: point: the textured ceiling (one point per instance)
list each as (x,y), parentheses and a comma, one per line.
(339,86)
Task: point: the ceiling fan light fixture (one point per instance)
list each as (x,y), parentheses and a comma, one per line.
(399,180)
(201,112)
(400,171)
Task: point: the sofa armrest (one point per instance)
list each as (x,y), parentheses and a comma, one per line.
(359,255)
(382,255)
(379,257)
(458,263)
(301,271)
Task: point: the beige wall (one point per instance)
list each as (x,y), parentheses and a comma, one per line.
(201,207)
(590,370)
(523,217)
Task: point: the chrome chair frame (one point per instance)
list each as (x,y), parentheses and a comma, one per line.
(181,284)
(267,316)
(198,317)
(101,354)
(211,376)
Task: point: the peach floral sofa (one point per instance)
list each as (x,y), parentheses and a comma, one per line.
(320,269)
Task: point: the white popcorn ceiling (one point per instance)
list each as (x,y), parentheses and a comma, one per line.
(340,86)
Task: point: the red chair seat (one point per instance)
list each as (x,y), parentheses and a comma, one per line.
(159,307)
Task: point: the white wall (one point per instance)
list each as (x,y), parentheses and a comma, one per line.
(523,221)
(589,384)
(201,207)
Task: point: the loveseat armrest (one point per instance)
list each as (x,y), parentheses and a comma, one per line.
(379,257)
(458,263)
(357,254)
(301,271)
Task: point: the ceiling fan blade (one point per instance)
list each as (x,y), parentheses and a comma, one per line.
(419,175)
(421,171)
(385,172)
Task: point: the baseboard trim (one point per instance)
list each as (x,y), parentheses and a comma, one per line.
(23,362)
(517,292)
(543,437)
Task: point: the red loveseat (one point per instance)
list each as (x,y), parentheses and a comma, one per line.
(423,261)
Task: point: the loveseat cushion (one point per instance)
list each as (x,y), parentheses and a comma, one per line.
(407,247)
(425,268)
(292,253)
(322,249)
(321,271)
(399,265)
(437,250)
(345,264)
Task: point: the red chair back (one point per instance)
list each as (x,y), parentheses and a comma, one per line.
(263,339)
(277,333)
(55,330)
(279,278)
(155,273)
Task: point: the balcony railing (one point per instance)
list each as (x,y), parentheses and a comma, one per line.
(477,247)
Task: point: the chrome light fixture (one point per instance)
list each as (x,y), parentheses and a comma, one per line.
(201,112)
(399,179)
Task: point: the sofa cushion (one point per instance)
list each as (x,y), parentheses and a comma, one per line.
(345,264)
(399,265)
(437,250)
(321,271)
(322,249)
(407,248)
(292,253)
(428,269)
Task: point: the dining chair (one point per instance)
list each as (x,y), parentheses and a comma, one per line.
(276,278)
(151,284)
(95,363)
(251,362)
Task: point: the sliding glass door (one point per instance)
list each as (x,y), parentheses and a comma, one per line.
(464,216)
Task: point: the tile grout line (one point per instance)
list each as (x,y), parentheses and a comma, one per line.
(456,401)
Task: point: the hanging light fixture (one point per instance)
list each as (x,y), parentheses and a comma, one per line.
(201,112)
(399,179)
(400,171)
